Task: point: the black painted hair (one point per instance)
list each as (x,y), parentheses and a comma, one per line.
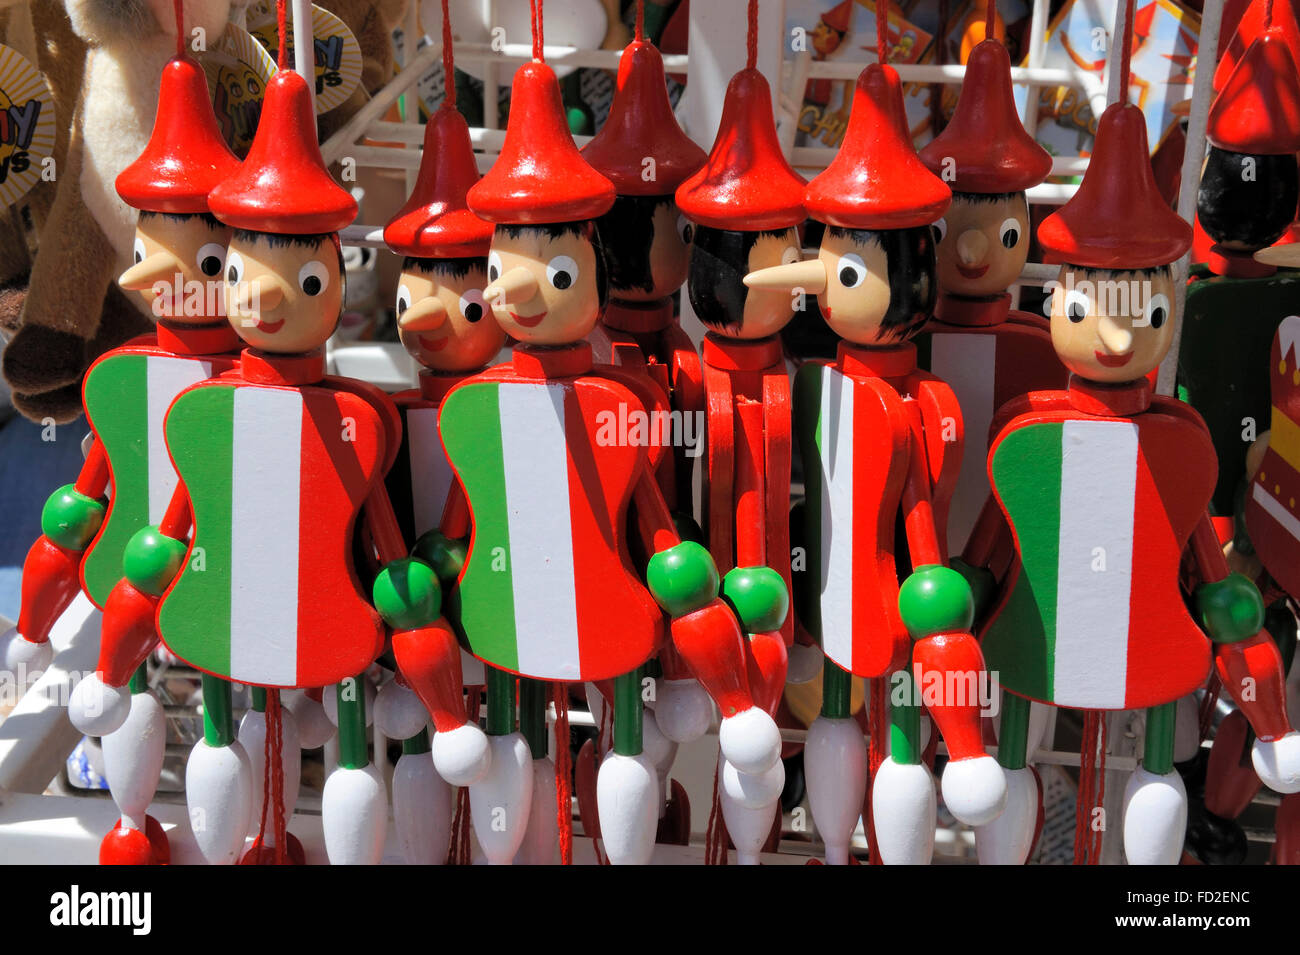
(208,218)
(1155,271)
(455,268)
(986,197)
(627,231)
(1253,212)
(719,264)
(909,260)
(280,240)
(586,228)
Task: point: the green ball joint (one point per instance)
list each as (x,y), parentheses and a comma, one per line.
(935,599)
(759,597)
(683,578)
(407,594)
(151,560)
(1231,609)
(71,519)
(444,555)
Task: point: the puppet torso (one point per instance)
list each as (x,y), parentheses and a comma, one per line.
(276,477)
(856,432)
(126,394)
(548,589)
(1272,516)
(1102,507)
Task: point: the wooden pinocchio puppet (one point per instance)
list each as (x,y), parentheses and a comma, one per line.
(179,258)
(745,205)
(548,590)
(1104,487)
(985,351)
(277,461)
(882,442)
(1246,202)
(445,324)
(645,154)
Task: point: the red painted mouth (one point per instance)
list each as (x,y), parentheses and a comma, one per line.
(434,344)
(270,328)
(1113,361)
(972,273)
(528,321)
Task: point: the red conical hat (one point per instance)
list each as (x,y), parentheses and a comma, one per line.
(1117,219)
(745,185)
(876,180)
(436,223)
(1254,22)
(282,186)
(985,146)
(837,17)
(1258,109)
(186,156)
(540,177)
(640,125)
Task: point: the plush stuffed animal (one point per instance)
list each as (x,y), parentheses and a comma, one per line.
(71,311)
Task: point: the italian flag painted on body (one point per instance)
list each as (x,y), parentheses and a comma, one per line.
(545,591)
(1094,619)
(853,439)
(127,394)
(276,477)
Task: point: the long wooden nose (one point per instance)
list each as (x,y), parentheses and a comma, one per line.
(159,267)
(516,286)
(808,275)
(424,315)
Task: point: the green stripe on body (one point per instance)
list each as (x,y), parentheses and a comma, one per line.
(1020,642)
(195,618)
(117,403)
(470,424)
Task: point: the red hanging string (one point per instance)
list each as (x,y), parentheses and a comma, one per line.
(458,851)
(882,31)
(1268,14)
(563,774)
(751,39)
(990,19)
(281,19)
(1126,51)
(716,836)
(448,60)
(1092,789)
(1205,715)
(877,721)
(180,26)
(539,41)
(275,769)
(640,21)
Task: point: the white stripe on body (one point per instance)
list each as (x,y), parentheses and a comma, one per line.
(430,472)
(165,378)
(837,441)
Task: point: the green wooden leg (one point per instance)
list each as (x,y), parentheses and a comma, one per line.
(140,680)
(259,698)
(1158,754)
(417,744)
(627,714)
(532,715)
(353,752)
(1013,735)
(904,723)
(837,692)
(500,702)
(218,724)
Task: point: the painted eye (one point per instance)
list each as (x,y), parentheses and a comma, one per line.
(494,267)
(234,267)
(851,270)
(940,230)
(472,305)
(138,250)
(1076,306)
(562,272)
(790,256)
(313,278)
(685,229)
(1009,232)
(1157,310)
(211,259)
(403,300)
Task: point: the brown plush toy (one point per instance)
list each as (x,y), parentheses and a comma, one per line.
(72,311)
